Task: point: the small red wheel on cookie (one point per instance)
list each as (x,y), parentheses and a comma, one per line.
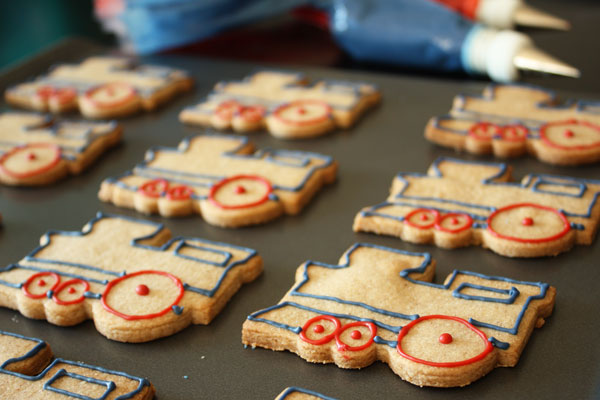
(227,109)
(37,285)
(320,329)
(240,191)
(154,188)
(303,112)
(422,218)
(454,222)
(109,95)
(514,133)
(70,292)
(30,160)
(181,192)
(355,336)
(484,131)
(60,96)
(429,340)
(151,294)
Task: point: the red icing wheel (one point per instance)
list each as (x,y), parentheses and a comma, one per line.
(445,338)
(586,137)
(484,131)
(256,198)
(72,286)
(454,222)
(154,188)
(181,192)
(40,157)
(61,95)
(110,95)
(422,218)
(356,335)
(41,282)
(227,109)
(318,328)
(514,133)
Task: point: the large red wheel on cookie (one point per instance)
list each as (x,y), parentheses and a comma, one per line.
(30,160)
(320,329)
(443,341)
(528,223)
(355,336)
(303,112)
(571,135)
(142,295)
(240,191)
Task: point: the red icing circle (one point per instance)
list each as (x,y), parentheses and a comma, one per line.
(324,339)
(252,113)
(277,113)
(25,287)
(404,331)
(61,95)
(345,347)
(181,192)
(423,214)
(142,290)
(445,338)
(128,317)
(110,89)
(564,231)
(70,289)
(29,147)
(514,133)
(464,222)
(549,142)
(154,188)
(217,186)
(481,131)
(227,109)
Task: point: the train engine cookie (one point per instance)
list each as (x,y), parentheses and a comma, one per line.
(222,178)
(380,303)
(462,203)
(101,87)
(27,368)
(512,120)
(129,276)
(38,150)
(284,104)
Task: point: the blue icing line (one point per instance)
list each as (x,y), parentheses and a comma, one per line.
(498,344)
(294,389)
(177,309)
(227,255)
(438,124)
(110,386)
(135,243)
(513,293)
(36,349)
(380,340)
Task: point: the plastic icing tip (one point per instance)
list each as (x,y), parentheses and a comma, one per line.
(532,59)
(526,15)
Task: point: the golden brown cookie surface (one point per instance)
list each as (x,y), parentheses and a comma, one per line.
(379,303)
(222,178)
(284,104)
(462,203)
(130,276)
(27,371)
(511,120)
(100,87)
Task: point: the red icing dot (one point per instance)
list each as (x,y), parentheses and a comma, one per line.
(424,217)
(527,221)
(31,156)
(240,189)
(142,290)
(301,110)
(71,290)
(318,328)
(569,133)
(454,221)
(445,338)
(41,282)
(355,334)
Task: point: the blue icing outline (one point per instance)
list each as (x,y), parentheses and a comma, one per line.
(268,155)
(134,243)
(533,130)
(41,345)
(295,389)
(502,168)
(513,294)
(110,385)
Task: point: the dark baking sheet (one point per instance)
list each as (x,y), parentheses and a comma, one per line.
(561,360)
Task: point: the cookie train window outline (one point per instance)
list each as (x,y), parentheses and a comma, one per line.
(295,389)
(134,243)
(404,274)
(268,155)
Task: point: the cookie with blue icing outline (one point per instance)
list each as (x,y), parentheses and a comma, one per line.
(36,149)
(284,104)
(101,87)
(512,120)
(27,368)
(130,276)
(223,178)
(298,393)
(462,203)
(381,304)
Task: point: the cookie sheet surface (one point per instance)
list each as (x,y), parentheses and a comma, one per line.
(209,361)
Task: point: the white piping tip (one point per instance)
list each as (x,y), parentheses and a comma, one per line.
(526,15)
(532,59)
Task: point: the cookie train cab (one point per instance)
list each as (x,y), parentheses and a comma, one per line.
(461,203)
(380,303)
(222,178)
(284,103)
(510,120)
(129,276)
(27,370)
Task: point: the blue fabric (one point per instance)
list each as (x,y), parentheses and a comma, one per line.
(410,33)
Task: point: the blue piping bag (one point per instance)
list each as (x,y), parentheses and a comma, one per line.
(427,35)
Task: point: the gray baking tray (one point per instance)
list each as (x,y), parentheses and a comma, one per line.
(560,360)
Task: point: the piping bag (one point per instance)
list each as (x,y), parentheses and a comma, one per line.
(423,34)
